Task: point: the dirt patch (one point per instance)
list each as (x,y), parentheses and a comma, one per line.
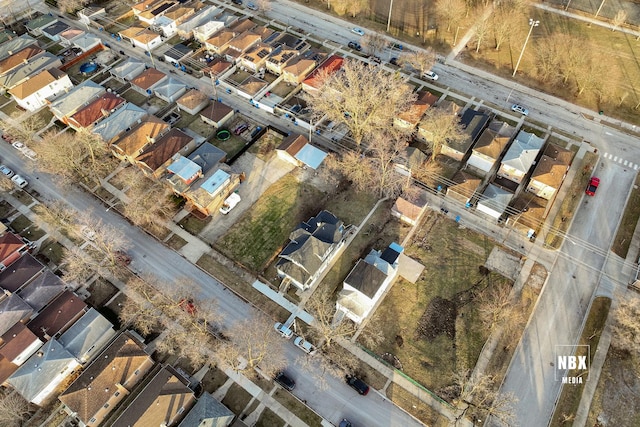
(438,319)
(537,276)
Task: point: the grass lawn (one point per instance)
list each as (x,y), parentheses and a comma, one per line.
(6,209)
(572,393)
(264,148)
(200,127)
(236,398)
(52,251)
(20,223)
(176,242)
(135,97)
(185,120)
(269,419)
(263,230)
(10,108)
(298,408)
(24,197)
(433,326)
(214,379)
(231,146)
(629,222)
(33,233)
(101,291)
(570,203)
(415,407)
(194,225)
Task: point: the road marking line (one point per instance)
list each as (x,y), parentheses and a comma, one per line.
(625,162)
(635,167)
(615,159)
(605,155)
(620,161)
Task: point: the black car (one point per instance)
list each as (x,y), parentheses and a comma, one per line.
(375,59)
(394,61)
(358,385)
(238,2)
(354,45)
(286,382)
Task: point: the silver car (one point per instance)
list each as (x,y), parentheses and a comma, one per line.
(517,108)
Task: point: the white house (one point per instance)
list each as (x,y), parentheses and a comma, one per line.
(367,282)
(34,92)
(204,32)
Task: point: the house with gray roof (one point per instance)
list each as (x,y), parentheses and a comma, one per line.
(54,30)
(494,200)
(185,30)
(64,106)
(119,122)
(473,123)
(208,412)
(128,69)
(86,42)
(185,170)
(87,336)
(20,272)
(36,25)
(311,248)
(492,142)
(37,379)
(520,156)
(14,45)
(42,290)
(13,310)
(169,89)
(35,65)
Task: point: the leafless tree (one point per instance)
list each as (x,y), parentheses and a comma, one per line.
(507,21)
(619,19)
(354,7)
(626,328)
(450,11)
(339,6)
(57,213)
(14,410)
(23,129)
(80,265)
(441,126)
(71,6)
(323,328)
(495,306)
(480,395)
(421,60)
(548,55)
(482,29)
(263,5)
(365,99)
(373,43)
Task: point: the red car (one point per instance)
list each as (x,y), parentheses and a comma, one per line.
(593,186)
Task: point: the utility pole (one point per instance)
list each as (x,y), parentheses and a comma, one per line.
(389,19)
(532,24)
(599,9)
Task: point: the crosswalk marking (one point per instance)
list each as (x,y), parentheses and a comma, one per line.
(621,161)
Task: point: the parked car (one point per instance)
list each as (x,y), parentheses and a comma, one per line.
(6,171)
(230,203)
(286,382)
(517,108)
(304,345)
(358,385)
(345,423)
(241,128)
(394,61)
(283,330)
(18,145)
(397,46)
(357,31)
(29,153)
(252,6)
(593,186)
(375,59)
(238,2)
(430,75)
(19,181)
(355,46)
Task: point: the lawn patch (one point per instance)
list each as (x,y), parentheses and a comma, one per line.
(269,419)
(301,410)
(628,223)
(194,225)
(236,398)
(20,223)
(101,291)
(176,242)
(415,406)
(263,230)
(214,379)
(24,197)
(33,233)
(6,209)
(231,146)
(51,251)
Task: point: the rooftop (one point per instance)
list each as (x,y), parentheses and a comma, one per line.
(58,316)
(20,272)
(37,82)
(96,110)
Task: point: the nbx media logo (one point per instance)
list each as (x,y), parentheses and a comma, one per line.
(572,363)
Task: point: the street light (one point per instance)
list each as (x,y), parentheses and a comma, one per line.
(532,24)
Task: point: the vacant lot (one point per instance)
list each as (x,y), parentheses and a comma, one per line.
(628,223)
(433,327)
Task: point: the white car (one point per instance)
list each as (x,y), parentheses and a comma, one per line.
(29,153)
(304,345)
(516,108)
(6,171)
(283,330)
(18,145)
(357,31)
(230,203)
(19,181)
(430,75)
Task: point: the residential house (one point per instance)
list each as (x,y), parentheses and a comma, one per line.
(119,122)
(36,25)
(240,44)
(494,201)
(6,35)
(164,401)
(11,248)
(19,58)
(520,156)
(37,379)
(18,344)
(411,161)
(20,272)
(204,32)
(169,90)
(97,110)
(332,64)
(156,157)
(219,42)
(20,74)
(42,289)
(87,42)
(240,26)
(216,114)
(463,187)
(410,118)
(550,171)
(251,87)
(208,412)
(176,53)
(296,149)
(206,196)
(531,212)
(279,59)
(204,15)
(290,41)
(297,70)
(424,133)
(33,93)
(144,6)
(65,106)
(127,70)
(158,9)
(255,57)
(192,102)
(217,68)
(312,247)
(87,336)
(90,15)
(473,123)
(367,282)
(133,142)
(58,316)
(111,377)
(492,142)
(13,310)
(141,37)
(54,30)
(16,44)
(168,23)
(409,207)
(146,81)
(67,36)
(185,170)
